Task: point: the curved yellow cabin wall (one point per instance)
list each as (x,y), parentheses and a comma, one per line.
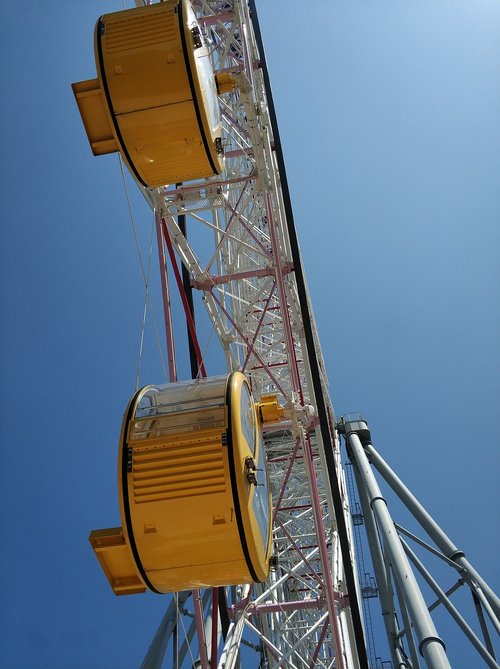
(258,547)
(155,99)
(185,497)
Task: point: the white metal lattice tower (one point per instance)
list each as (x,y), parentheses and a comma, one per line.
(255,294)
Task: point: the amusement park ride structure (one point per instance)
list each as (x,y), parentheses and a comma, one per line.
(183,93)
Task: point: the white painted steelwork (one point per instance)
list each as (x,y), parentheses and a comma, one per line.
(240,256)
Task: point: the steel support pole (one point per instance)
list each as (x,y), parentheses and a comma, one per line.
(406,632)
(466,629)
(213,629)
(431,647)
(190,633)
(184,300)
(433,530)
(484,627)
(200,630)
(167,313)
(386,600)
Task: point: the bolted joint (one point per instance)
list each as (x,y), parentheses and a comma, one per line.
(196,35)
(251,471)
(456,555)
(428,640)
(344,601)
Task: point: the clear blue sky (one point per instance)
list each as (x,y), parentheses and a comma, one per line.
(390,118)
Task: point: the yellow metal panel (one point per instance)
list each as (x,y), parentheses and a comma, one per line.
(165,141)
(270,410)
(225,82)
(183,516)
(95,116)
(115,559)
(176,473)
(143,59)
(203,575)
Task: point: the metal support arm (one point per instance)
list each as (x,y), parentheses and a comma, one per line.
(431,646)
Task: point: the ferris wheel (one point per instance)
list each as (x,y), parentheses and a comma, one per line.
(233,497)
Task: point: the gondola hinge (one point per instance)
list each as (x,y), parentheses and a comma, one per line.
(251,470)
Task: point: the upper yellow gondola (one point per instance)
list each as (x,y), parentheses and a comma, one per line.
(155,97)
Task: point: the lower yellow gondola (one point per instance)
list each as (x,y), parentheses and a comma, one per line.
(194,494)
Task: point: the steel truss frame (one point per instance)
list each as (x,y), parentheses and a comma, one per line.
(242,255)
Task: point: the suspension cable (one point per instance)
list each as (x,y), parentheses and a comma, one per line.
(186,636)
(145,278)
(144,311)
(201,366)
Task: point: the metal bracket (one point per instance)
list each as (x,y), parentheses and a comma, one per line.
(196,34)
(251,470)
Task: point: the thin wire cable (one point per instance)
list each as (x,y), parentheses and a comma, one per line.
(144,311)
(185,633)
(145,276)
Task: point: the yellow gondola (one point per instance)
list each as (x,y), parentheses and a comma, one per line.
(194,494)
(155,96)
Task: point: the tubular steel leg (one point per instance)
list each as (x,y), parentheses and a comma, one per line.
(200,630)
(430,645)
(183,297)
(167,313)
(386,601)
(484,627)
(185,648)
(407,631)
(433,529)
(490,661)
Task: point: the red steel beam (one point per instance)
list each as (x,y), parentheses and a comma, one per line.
(189,318)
